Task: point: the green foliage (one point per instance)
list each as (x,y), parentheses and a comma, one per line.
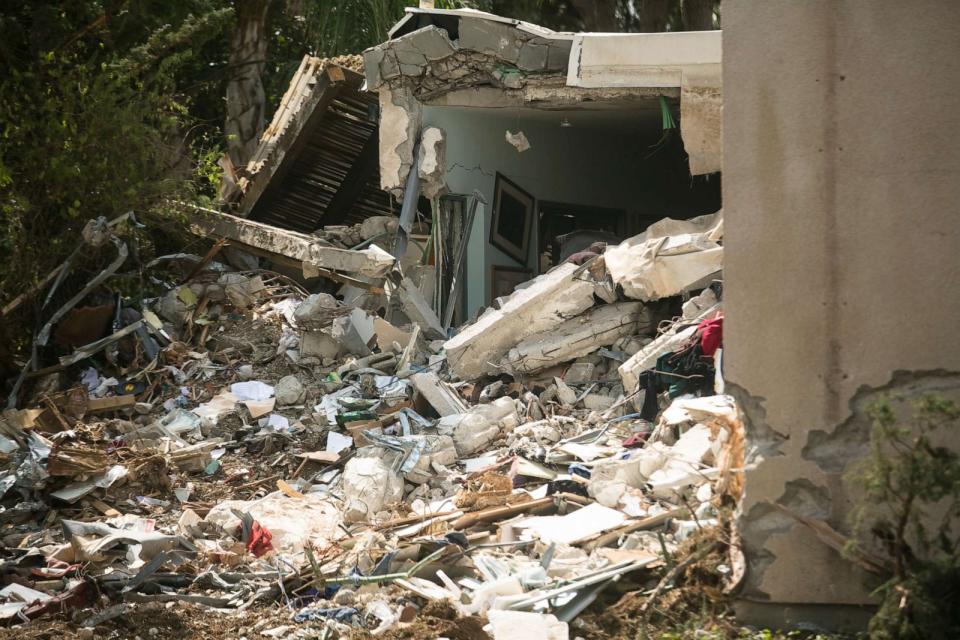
(911,511)
(94,121)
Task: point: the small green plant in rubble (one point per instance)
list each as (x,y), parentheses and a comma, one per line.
(911,513)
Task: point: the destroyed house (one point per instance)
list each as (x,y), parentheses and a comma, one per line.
(570,139)
(565,140)
(640,427)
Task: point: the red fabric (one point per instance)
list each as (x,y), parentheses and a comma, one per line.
(260,540)
(711,335)
(637,440)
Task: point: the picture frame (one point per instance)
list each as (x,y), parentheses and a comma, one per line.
(511,224)
(503,280)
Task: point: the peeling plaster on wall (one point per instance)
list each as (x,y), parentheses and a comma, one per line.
(800,496)
(827,496)
(400,117)
(432,165)
(833,451)
(763,441)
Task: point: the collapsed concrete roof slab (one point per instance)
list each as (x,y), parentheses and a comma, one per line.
(451,50)
(642,59)
(316,164)
(689,60)
(476,59)
(290,247)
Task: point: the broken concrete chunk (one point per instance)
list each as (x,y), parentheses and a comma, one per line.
(440,395)
(598,401)
(416,308)
(430,42)
(523,625)
(375,226)
(317,311)
(500,40)
(289,391)
(373,261)
(579,336)
(547,302)
(319,344)
(354,332)
(368,486)
(533,57)
(474,430)
(566,395)
(662,267)
(579,373)
(701,111)
(311,252)
(400,117)
(695,305)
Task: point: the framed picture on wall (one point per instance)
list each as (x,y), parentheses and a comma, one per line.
(512,220)
(503,280)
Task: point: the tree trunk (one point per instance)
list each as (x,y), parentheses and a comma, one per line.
(598,15)
(245,96)
(652,15)
(697,15)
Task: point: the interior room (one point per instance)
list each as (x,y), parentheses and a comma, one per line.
(599,173)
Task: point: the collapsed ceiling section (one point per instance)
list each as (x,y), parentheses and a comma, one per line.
(317,162)
(458,49)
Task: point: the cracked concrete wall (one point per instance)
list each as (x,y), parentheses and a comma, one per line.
(842,281)
(486,53)
(400,119)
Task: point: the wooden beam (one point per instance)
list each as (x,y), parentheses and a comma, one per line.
(366,164)
(291,142)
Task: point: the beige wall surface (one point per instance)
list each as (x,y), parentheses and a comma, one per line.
(842,276)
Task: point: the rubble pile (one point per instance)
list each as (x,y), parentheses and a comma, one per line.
(238,443)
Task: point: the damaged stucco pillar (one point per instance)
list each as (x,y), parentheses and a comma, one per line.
(701,117)
(432,167)
(400,119)
(841,276)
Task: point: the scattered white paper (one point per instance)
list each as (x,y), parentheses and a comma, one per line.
(220,404)
(337,442)
(251,390)
(592,519)
(276,422)
(475,464)
(90,379)
(74,491)
(18,592)
(391,386)
(259,408)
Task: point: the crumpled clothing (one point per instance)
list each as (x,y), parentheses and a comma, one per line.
(711,336)
(260,540)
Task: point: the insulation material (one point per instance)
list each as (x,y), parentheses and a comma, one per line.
(369,485)
(293,522)
(662,267)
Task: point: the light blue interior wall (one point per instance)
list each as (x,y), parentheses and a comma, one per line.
(579,165)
